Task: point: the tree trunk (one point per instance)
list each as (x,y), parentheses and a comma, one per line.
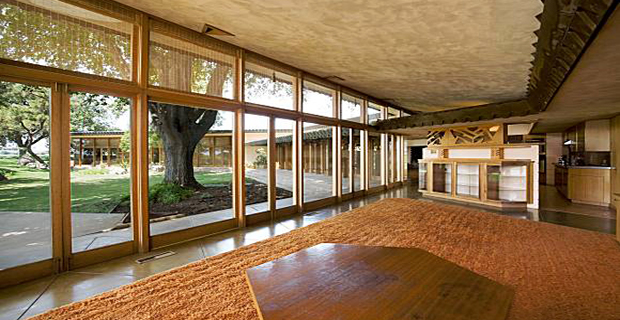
(179,164)
(35,156)
(180,129)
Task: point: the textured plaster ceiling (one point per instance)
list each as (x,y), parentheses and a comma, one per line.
(425,55)
(591,91)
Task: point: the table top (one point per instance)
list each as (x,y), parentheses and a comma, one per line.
(341,281)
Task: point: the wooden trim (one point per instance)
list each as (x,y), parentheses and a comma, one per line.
(56,192)
(30,72)
(271,166)
(166,239)
(191,99)
(140,196)
(239,168)
(239,87)
(316,204)
(65,174)
(94,256)
(270,111)
(285,212)
(26,272)
(337,162)
(257,218)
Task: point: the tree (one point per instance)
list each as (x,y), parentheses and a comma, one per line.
(180,129)
(24,117)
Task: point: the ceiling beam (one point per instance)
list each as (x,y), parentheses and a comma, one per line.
(469,114)
(567,27)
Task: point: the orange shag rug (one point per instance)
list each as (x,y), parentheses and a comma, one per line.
(557,272)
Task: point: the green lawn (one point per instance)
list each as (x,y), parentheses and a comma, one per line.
(28,189)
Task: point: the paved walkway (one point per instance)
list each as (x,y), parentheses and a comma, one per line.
(26,236)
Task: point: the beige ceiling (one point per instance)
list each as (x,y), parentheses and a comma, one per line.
(426,55)
(591,91)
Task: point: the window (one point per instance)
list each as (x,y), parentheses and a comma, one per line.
(100,170)
(357,160)
(185,66)
(393,113)
(24,174)
(56,34)
(375,112)
(256,150)
(351,108)
(318,100)
(318,155)
(374,159)
(346,160)
(268,87)
(284,162)
(190,171)
(390,159)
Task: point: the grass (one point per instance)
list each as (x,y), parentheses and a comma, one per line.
(92,190)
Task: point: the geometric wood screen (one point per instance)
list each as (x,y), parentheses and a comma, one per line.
(463,136)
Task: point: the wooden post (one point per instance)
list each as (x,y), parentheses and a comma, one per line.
(109,157)
(81,152)
(94,164)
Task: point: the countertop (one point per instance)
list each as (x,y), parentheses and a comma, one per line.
(584,167)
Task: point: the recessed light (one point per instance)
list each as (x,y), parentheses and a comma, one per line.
(334,78)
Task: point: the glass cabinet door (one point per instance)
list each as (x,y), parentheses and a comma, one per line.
(422,173)
(507,182)
(468,180)
(442,177)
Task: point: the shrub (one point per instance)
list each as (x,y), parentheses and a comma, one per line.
(93,171)
(169,193)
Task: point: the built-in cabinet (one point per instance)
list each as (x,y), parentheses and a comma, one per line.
(507,182)
(502,183)
(422,176)
(468,180)
(587,185)
(442,177)
(597,136)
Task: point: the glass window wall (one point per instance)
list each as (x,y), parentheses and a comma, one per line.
(190,167)
(318,155)
(100,170)
(25,231)
(318,100)
(256,151)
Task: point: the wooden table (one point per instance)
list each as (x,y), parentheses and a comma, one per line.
(340,281)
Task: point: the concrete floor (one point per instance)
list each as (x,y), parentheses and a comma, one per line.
(28,299)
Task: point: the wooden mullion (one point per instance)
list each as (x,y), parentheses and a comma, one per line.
(56,192)
(65,173)
(271,166)
(238,168)
(139,151)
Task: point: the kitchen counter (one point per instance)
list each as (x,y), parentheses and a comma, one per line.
(584,167)
(584,184)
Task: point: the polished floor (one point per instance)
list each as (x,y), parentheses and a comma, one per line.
(25,300)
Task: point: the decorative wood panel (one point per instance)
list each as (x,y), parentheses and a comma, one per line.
(464,136)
